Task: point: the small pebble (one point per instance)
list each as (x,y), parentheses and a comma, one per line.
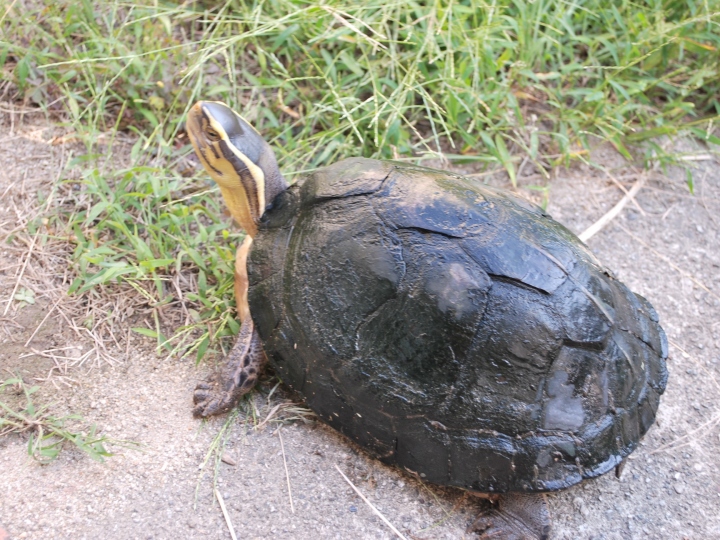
(227,458)
(679,488)
(353,508)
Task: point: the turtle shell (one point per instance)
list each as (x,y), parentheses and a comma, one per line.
(453,329)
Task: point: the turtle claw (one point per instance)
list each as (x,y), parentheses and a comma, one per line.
(243,364)
(517,516)
(210,405)
(494,529)
(201,396)
(215,396)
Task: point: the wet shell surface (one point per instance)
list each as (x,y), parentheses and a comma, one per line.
(453,329)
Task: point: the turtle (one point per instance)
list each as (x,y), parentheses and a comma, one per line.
(448,328)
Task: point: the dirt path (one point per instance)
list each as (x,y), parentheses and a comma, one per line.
(669,252)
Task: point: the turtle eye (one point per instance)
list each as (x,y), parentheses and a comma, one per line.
(212,134)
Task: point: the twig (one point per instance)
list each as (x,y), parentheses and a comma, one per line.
(614,211)
(702,198)
(706,427)
(375,43)
(61,169)
(624,190)
(439,504)
(287,474)
(43,321)
(697,157)
(665,214)
(9,8)
(270,415)
(398,533)
(7,189)
(20,275)
(225,513)
(71,324)
(486,173)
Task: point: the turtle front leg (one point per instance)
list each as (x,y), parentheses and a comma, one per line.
(243,365)
(246,359)
(514,516)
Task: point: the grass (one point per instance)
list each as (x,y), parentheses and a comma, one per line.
(268,414)
(498,84)
(172,250)
(48,434)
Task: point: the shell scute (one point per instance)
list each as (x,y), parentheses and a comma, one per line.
(453,329)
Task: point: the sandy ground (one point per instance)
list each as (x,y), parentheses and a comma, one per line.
(667,248)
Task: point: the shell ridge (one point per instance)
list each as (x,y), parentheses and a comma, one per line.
(370,316)
(435,413)
(518,282)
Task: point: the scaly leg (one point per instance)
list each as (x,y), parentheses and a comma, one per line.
(244,362)
(243,365)
(516,516)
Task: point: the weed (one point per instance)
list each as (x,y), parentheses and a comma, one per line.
(475,79)
(282,413)
(47,433)
(160,234)
(496,84)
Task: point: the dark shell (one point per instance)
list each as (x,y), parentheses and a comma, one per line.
(453,329)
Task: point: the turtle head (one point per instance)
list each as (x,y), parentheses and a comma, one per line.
(237,158)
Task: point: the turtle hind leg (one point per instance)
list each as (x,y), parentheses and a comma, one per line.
(243,366)
(515,516)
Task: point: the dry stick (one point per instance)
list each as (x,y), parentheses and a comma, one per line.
(7,189)
(71,324)
(287,474)
(486,173)
(57,178)
(20,275)
(702,198)
(43,321)
(270,415)
(703,427)
(624,190)
(667,260)
(375,43)
(127,345)
(398,533)
(448,514)
(614,211)
(225,513)
(673,205)
(8,10)
(697,157)
(24,266)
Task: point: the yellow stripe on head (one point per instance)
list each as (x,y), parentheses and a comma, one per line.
(257,174)
(230,149)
